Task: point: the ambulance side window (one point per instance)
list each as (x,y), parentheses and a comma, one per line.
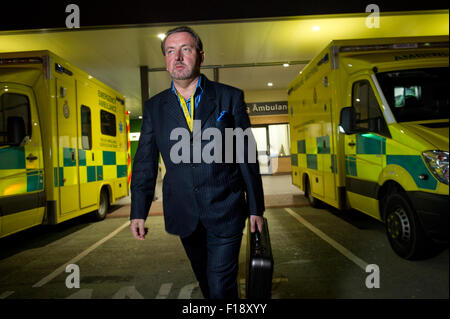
(368,113)
(108,123)
(86,128)
(13,105)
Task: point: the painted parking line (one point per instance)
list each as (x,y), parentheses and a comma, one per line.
(6,294)
(62,268)
(186,291)
(164,291)
(344,251)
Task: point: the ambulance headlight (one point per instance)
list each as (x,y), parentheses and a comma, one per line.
(438,164)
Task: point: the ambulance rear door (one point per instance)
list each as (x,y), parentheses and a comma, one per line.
(69,200)
(22,196)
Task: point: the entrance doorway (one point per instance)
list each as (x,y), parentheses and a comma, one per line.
(272,142)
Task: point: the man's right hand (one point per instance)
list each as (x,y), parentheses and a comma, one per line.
(138,229)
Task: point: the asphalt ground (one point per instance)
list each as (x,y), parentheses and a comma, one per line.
(318,254)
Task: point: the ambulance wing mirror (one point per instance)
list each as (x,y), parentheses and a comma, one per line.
(16,130)
(347,124)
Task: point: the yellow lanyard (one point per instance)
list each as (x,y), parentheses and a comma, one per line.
(189,116)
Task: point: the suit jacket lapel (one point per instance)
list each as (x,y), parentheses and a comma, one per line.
(173,109)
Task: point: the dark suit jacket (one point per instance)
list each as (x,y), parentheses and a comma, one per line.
(220,195)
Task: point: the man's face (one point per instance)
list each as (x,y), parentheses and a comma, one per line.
(182,59)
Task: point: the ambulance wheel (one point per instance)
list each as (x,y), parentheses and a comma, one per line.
(314,202)
(403,228)
(103,206)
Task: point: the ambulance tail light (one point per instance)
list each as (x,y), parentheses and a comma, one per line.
(437,162)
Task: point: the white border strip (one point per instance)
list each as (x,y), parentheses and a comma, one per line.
(344,251)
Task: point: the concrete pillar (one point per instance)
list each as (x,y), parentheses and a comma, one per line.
(144,85)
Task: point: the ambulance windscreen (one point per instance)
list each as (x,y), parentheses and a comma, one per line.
(417,94)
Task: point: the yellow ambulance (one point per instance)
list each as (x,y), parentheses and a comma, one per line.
(63,142)
(369,128)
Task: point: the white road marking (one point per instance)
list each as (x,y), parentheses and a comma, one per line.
(186,291)
(164,291)
(344,251)
(129,292)
(6,294)
(62,268)
(82,294)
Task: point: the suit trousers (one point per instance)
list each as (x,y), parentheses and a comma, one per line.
(214,260)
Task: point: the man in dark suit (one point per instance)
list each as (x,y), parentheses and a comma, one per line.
(205,202)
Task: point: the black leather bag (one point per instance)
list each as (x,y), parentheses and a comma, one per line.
(259,264)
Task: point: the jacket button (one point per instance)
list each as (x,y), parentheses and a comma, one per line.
(195,190)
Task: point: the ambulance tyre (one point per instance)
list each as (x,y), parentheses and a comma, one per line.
(314,202)
(103,206)
(403,228)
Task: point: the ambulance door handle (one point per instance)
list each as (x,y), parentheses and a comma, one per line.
(31,157)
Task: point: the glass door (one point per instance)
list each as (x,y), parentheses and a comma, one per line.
(279,140)
(279,148)
(262,144)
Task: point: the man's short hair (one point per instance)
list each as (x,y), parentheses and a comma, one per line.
(197,40)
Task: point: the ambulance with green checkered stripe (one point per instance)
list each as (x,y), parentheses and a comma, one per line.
(63,142)
(369,125)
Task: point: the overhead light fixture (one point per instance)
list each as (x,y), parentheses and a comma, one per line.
(285,65)
(316,28)
(161,36)
(270,84)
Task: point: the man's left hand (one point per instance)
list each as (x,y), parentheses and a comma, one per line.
(256,220)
